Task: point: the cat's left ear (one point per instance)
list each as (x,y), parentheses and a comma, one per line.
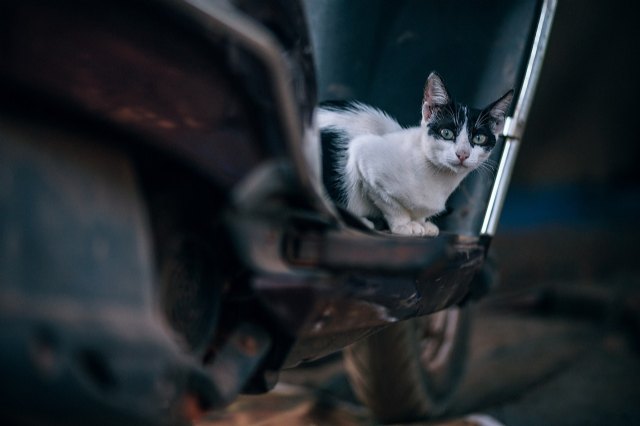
(498,111)
(435,96)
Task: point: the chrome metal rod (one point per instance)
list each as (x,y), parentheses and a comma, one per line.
(514,126)
(499,191)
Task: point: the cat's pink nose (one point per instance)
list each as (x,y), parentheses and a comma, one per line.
(462,156)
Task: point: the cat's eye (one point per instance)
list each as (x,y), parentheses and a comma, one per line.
(447,134)
(480,139)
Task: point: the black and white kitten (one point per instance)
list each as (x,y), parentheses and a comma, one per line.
(375,168)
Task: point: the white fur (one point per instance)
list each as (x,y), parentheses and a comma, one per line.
(404,175)
(393,176)
(359,120)
(482,420)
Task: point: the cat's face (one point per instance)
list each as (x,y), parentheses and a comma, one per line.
(458,138)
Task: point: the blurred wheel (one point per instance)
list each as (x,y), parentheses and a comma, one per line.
(411,369)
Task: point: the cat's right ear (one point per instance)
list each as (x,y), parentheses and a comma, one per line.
(498,111)
(435,96)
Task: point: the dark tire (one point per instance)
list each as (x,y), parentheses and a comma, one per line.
(411,369)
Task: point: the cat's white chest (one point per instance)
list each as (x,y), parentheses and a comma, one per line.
(392,174)
(423,194)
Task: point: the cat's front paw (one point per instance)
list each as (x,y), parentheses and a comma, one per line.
(426,229)
(430,230)
(368,223)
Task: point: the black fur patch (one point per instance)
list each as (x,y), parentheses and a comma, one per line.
(453,116)
(334,146)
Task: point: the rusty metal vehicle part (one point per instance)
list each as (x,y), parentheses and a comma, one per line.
(165,242)
(79,331)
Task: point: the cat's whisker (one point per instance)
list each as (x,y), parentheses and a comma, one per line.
(487,169)
(483,119)
(490,164)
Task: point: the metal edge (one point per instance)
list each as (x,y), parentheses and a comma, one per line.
(221,17)
(514,126)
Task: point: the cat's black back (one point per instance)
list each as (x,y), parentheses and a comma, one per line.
(334,144)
